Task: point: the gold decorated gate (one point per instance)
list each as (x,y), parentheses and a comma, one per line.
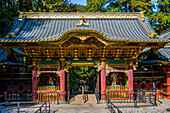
(48,93)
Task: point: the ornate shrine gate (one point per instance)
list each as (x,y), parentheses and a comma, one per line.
(52,39)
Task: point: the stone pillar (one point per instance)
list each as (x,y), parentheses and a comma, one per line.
(34,84)
(62,82)
(130,80)
(168,84)
(103,81)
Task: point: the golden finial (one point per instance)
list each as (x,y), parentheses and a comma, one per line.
(82,22)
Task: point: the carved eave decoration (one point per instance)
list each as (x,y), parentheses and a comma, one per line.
(83,37)
(80,34)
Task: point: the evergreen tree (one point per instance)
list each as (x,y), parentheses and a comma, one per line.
(161,19)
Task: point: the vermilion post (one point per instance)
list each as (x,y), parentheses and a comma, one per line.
(130,80)
(168,84)
(62,84)
(34,85)
(103,81)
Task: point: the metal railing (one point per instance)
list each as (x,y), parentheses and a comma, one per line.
(132,97)
(25,107)
(19,96)
(85,98)
(144,96)
(120,96)
(41,110)
(97,95)
(111,107)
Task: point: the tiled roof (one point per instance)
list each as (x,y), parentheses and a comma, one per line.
(11,63)
(18,51)
(113,28)
(164,53)
(145,49)
(148,62)
(165,36)
(3,54)
(148,25)
(15,24)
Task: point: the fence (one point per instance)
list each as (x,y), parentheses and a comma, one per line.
(41,110)
(143,96)
(25,107)
(49,96)
(19,96)
(85,98)
(111,107)
(132,97)
(123,96)
(48,93)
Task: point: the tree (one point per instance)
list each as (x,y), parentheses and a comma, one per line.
(95,6)
(161,19)
(8,11)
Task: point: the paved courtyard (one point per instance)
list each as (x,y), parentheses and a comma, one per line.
(97,108)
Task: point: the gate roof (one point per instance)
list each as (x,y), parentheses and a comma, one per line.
(50,26)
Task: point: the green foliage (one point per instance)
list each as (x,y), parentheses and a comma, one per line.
(162,17)
(95,6)
(82,76)
(9,9)
(160,20)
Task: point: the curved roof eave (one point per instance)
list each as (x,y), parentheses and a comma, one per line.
(165,36)
(164,53)
(145,27)
(3,54)
(16,29)
(147,24)
(18,51)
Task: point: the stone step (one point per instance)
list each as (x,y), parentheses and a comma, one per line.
(76,99)
(91,98)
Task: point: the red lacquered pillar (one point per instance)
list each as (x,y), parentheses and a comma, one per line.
(168,84)
(62,82)
(34,84)
(130,81)
(103,81)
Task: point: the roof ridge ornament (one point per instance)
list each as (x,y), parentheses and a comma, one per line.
(11,35)
(153,35)
(141,14)
(82,22)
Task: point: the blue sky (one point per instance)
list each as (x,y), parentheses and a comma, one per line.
(81,2)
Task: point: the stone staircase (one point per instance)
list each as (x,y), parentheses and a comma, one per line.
(91,99)
(77,99)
